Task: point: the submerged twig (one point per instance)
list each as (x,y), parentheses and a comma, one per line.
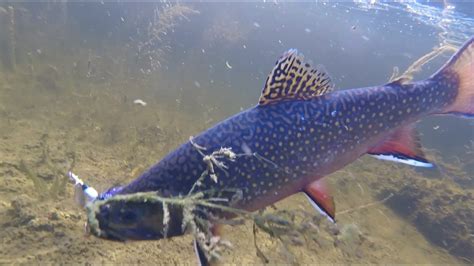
(212,160)
(259,252)
(416,66)
(365,205)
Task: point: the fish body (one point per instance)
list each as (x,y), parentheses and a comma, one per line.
(299,132)
(288,145)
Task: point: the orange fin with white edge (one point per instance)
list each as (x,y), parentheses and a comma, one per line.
(459,72)
(319,196)
(402,146)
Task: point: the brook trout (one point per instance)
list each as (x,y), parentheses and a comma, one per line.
(300,131)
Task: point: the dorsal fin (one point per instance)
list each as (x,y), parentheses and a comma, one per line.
(293,79)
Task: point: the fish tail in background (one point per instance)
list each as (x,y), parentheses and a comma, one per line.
(458,74)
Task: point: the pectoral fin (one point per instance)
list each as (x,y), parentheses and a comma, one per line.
(319,196)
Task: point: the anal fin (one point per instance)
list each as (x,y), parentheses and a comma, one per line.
(318,195)
(402,146)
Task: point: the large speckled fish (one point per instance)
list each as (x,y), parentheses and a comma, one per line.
(300,131)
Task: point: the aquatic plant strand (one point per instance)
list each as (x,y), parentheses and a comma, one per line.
(416,66)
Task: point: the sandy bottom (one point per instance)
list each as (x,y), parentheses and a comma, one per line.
(110,140)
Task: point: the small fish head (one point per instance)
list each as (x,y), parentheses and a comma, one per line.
(121,219)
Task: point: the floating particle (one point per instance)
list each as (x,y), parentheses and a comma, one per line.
(354,27)
(245,46)
(122,19)
(246,149)
(38,51)
(228,65)
(365,38)
(140,102)
(256,25)
(196,83)
(307,30)
(436,127)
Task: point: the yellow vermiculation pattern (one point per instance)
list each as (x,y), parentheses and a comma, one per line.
(293,79)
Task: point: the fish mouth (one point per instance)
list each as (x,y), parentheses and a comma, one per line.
(108,228)
(124,218)
(131,234)
(121,234)
(132,222)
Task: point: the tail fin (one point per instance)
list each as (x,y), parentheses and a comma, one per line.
(459,70)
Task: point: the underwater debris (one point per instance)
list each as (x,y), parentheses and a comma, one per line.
(38,183)
(365,205)
(151,51)
(47,188)
(294,228)
(212,160)
(226,29)
(139,102)
(470,147)
(416,66)
(259,252)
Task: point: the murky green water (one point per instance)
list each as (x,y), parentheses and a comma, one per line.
(107,89)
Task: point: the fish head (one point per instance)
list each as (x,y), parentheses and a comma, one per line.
(119,218)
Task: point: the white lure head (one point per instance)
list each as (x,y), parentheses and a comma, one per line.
(83,193)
